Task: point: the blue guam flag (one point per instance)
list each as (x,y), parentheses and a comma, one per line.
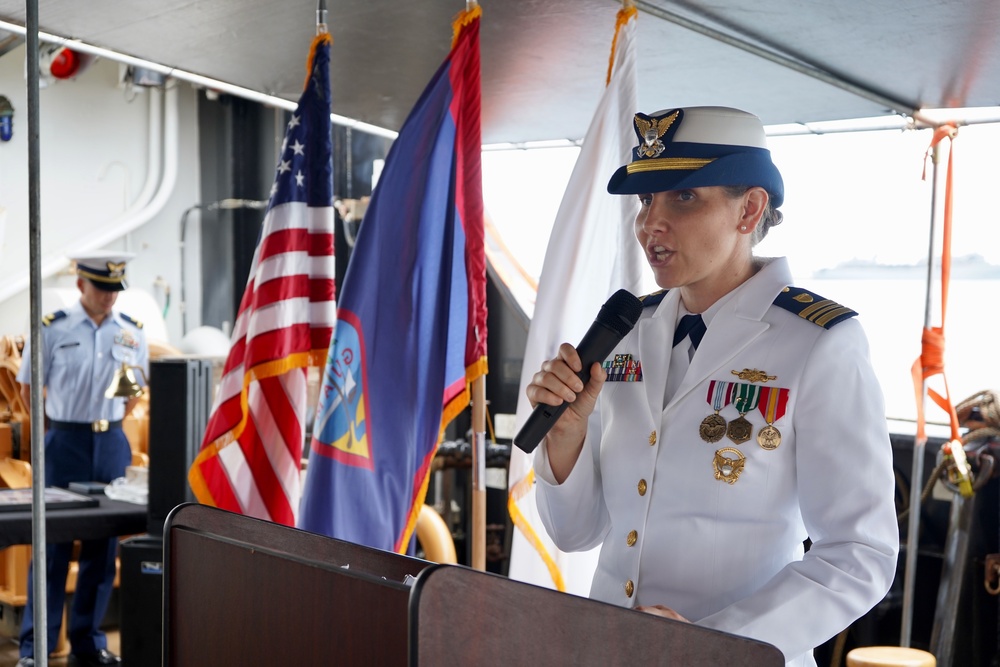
(411,323)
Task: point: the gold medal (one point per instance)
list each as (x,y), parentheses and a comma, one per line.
(769,437)
(713,427)
(739,430)
(773,401)
(728,464)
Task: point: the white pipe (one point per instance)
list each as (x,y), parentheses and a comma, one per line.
(154,153)
(132,221)
(154,196)
(196,79)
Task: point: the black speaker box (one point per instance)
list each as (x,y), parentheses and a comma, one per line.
(141,601)
(179,404)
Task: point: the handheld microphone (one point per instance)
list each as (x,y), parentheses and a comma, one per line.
(616,318)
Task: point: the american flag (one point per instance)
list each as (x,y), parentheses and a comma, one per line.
(250,457)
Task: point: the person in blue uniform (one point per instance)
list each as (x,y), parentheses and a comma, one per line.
(750,422)
(82,347)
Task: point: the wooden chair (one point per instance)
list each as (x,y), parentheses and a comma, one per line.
(14,561)
(14,474)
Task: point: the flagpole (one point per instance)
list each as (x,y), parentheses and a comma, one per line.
(919,441)
(321,17)
(478,534)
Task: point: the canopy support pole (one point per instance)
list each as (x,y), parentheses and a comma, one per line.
(38,540)
(919,443)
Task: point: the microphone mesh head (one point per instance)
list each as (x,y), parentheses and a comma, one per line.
(620,312)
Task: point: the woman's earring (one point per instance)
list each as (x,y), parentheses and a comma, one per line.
(743,228)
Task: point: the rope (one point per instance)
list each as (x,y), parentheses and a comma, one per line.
(987,423)
(984,427)
(931,359)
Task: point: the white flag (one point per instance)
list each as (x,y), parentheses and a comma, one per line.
(592,253)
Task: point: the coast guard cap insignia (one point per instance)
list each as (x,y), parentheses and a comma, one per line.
(650,131)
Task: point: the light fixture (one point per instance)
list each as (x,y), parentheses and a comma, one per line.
(145,78)
(65,64)
(59,62)
(124,384)
(6,119)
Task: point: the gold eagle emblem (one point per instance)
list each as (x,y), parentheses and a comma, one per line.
(728,468)
(116,268)
(652,130)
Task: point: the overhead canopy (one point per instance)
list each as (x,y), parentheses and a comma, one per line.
(544,61)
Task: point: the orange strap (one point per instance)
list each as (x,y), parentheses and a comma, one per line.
(931,360)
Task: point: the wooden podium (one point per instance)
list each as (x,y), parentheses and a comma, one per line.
(242,591)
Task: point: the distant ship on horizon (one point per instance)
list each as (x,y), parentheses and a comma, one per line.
(966,267)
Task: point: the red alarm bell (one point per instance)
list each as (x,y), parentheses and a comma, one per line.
(65,63)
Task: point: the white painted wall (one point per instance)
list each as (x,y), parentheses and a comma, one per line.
(94,147)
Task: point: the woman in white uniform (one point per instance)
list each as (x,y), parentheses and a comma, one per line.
(706,451)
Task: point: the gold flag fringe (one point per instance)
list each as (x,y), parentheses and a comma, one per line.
(624,15)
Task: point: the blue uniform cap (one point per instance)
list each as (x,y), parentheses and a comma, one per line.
(698,147)
(104,268)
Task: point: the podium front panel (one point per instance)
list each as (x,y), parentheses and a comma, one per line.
(239,591)
(465,617)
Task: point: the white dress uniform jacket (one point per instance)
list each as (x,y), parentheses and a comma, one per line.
(726,555)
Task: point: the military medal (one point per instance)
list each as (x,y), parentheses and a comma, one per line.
(773,401)
(728,464)
(769,437)
(713,427)
(623,369)
(740,429)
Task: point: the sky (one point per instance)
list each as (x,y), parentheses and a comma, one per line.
(857,195)
(847,196)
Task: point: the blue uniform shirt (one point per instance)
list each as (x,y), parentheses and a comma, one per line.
(79,360)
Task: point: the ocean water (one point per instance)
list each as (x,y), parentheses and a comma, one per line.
(893,315)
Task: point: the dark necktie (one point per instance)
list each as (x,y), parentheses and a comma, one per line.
(690,325)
